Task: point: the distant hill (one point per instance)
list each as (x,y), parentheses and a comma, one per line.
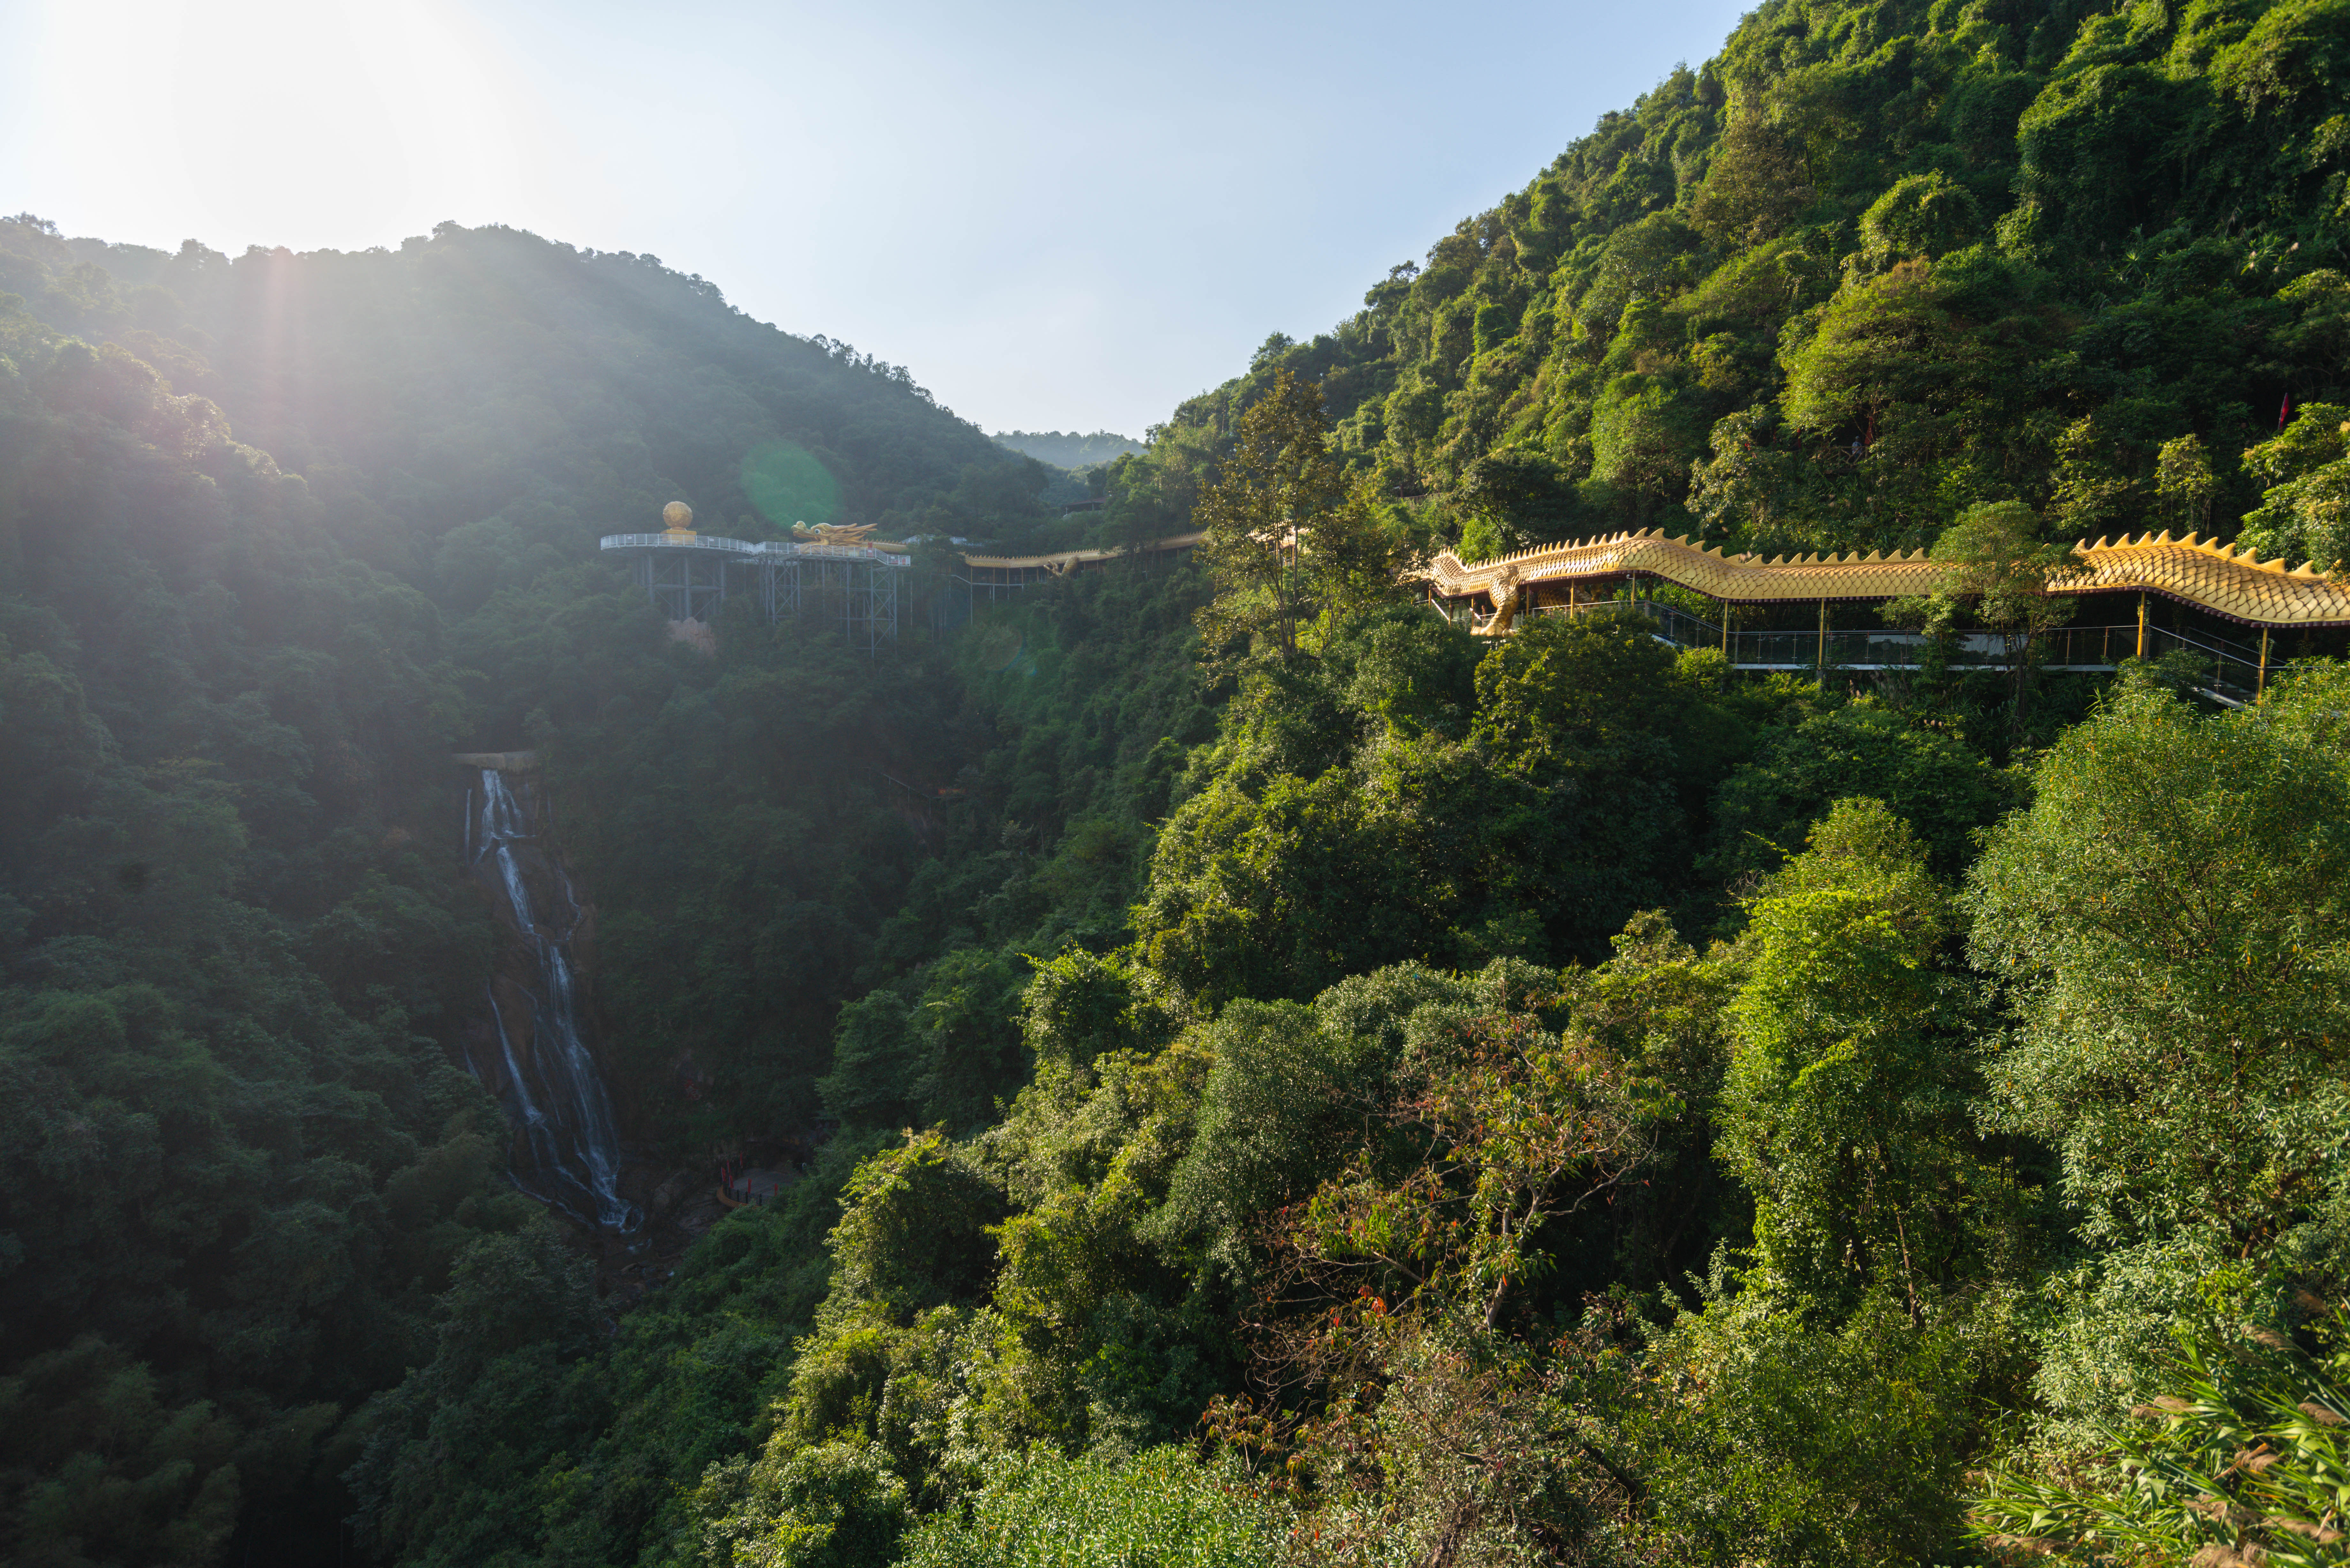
(488,372)
(1068,449)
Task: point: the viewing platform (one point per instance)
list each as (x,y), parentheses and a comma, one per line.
(881,554)
(838,572)
(835,572)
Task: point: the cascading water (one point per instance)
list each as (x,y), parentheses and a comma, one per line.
(567,1149)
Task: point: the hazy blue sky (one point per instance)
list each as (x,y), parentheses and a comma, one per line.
(1056,216)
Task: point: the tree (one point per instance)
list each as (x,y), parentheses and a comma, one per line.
(1885,341)
(1944,791)
(1921,215)
(2183,482)
(2167,924)
(834,1504)
(1405,1369)
(1280,481)
(1845,1108)
(2167,920)
(1520,496)
(1771,1439)
(1997,566)
(2305,513)
(1643,435)
(1755,186)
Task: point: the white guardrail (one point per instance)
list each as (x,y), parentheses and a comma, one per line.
(763,551)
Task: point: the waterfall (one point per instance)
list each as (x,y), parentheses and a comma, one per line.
(567,1149)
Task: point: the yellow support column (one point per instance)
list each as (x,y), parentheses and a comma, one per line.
(2141,626)
(2263,685)
(1822,672)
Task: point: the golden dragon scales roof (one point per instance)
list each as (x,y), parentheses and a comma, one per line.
(2204,573)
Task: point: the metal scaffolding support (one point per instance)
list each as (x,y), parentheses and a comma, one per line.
(687,585)
(689,577)
(862,596)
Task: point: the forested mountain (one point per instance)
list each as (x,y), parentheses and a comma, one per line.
(240,1156)
(1283,1080)
(1868,265)
(1069,448)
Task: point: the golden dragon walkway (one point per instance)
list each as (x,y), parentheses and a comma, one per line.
(2213,578)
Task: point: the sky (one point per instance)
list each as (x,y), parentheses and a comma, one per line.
(1057,216)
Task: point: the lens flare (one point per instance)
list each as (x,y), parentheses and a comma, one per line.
(788,484)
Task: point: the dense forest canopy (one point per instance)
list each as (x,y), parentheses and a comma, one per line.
(1278,1079)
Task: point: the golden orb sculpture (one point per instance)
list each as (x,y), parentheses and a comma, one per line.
(678,517)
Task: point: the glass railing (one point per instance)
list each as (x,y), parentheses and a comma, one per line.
(2083,648)
(768,549)
(678,541)
(2233,671)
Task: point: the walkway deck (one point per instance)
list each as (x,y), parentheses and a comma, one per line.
(2211,579)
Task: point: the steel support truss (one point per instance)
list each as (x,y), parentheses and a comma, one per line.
(856,592)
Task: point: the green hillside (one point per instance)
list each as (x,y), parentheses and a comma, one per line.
(463,374)
(1867,266)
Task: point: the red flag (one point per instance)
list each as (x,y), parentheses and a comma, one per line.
(2284,408)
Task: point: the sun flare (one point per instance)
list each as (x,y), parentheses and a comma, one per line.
(321,122)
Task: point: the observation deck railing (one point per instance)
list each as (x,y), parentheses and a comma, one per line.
(765,550)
